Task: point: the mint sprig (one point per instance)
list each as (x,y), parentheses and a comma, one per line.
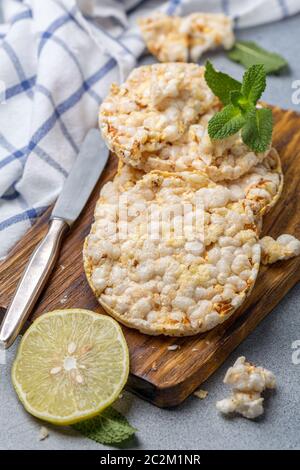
(240,111)
(110,428)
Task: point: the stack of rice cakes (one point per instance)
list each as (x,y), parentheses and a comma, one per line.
(156,124)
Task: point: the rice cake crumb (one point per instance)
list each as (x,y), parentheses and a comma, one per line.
(201,394)
(248,382)
(249,405)
(246,377)
(43,433)
(284,247)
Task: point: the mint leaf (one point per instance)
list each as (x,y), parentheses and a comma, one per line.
(225,123)
(254,83)
(220,83)
(257,132)
(249,53)
(110,427)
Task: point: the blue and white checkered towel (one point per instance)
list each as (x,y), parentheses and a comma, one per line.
(57,60)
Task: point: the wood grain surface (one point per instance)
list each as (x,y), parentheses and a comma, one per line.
(161,376)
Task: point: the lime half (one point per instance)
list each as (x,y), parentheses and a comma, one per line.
(71,365)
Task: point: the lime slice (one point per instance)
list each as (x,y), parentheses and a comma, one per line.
(71,365)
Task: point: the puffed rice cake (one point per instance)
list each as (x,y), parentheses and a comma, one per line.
(227,159)
(261,186)
(171,285)
(154,107)
(158,119)
(180,39)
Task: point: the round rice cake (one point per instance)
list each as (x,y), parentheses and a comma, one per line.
(158,120)
(168,282)
(262,186)
(153,108)
(226,159)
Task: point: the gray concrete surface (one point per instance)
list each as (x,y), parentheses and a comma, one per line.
(196,424)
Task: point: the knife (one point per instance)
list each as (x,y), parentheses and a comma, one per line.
(78,186)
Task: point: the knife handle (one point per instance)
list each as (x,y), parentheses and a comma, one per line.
(32,282)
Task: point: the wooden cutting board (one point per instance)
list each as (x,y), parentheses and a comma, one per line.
(161,376)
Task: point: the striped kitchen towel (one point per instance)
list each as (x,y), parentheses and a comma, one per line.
(57,61)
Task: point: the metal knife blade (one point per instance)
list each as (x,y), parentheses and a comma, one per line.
(90,162)
(82,179)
